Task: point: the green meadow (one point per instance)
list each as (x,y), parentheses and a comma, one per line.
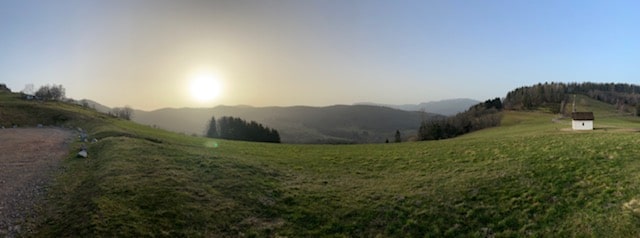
(532,176)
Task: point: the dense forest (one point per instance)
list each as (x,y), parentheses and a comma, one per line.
(555,96)
(480,116)
(232,128)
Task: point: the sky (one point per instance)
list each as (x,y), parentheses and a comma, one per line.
(148,53)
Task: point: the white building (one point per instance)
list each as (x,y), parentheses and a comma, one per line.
(582,120)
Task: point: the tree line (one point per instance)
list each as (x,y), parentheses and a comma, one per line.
(555,96)
(477,117)
(58,93)
(232,128)
(51,92)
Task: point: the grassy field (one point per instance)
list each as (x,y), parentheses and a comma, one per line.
(529,177)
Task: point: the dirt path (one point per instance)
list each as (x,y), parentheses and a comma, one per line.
(28,158)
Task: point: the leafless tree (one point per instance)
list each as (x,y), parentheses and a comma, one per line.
(54,92)
(125,112)
(28,89)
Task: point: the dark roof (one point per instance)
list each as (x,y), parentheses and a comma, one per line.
(582,115)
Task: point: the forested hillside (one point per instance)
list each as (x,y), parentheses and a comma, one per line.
(556,96)
(477,117)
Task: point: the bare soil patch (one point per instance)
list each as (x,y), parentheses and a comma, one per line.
(28,158)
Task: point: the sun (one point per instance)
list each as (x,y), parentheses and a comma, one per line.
(205,87)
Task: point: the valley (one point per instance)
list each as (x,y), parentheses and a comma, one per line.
(528,177)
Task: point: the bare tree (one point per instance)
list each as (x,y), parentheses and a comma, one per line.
(28,89)
(54,92)
(57,92)
(125,112)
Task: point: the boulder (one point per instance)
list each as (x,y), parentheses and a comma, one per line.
(83,154)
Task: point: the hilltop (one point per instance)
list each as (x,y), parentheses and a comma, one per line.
(530,176)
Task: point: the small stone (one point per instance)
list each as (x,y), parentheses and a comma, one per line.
(83,154)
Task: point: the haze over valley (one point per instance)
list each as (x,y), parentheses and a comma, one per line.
(303,124)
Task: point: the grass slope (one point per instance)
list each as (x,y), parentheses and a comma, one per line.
(529,177)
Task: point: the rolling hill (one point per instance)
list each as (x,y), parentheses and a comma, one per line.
(446,107)
(300,124)
(531,176)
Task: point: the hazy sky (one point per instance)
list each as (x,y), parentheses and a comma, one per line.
(146,53)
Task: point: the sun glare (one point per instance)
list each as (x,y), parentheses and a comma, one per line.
(205,87)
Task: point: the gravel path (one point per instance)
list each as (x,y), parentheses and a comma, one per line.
(28,158)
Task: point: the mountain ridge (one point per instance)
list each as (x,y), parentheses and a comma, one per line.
(340,123)
(298,124)
(447,107)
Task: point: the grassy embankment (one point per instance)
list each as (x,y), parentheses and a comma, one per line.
(529,177)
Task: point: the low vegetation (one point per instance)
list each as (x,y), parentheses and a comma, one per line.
(529,177)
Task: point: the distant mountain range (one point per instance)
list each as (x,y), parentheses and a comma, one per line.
(300,124)
(373,123)
(444,107)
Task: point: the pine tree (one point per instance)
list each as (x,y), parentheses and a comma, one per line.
(232,128)
(212,131)
(398,136)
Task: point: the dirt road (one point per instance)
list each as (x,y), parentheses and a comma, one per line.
(28,158)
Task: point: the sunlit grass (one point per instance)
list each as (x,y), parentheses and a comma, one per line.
(557,183)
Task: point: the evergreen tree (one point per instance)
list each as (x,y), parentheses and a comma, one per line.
(212,130)
(398,136)
(232,128)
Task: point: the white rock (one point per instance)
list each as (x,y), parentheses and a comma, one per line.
(83,154)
